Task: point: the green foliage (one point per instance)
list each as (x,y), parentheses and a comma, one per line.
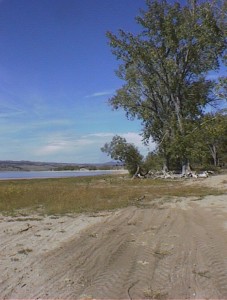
(164,68)
(153,162)
(119,149)
(211,136)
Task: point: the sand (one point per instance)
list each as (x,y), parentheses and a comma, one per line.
(158,250)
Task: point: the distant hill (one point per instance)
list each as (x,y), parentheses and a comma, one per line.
(9,165)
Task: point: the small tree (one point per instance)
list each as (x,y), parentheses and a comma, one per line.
(212,135)
(119,149)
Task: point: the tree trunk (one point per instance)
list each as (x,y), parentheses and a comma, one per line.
(165,167)
(137,172)
(176,102)
(185,167)
(185,163)
(213,151)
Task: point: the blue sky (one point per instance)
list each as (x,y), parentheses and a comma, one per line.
(56,76)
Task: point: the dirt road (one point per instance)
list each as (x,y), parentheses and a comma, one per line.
(158,250)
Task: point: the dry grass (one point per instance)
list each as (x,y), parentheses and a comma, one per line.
(25,251)
(162,253)
(154,294)
(87,194)
(205,274)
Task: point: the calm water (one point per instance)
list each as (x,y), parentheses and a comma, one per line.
(48,174)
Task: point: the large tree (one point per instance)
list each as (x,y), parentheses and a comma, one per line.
(164,68)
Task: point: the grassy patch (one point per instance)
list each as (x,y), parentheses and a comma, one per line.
(24,251)
(87,194)
(24,219)
(162,253)
(154,294)
(205,274)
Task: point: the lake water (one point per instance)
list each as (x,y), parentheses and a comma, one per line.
(49,174)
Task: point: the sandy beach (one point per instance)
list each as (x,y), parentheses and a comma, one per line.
(157,250)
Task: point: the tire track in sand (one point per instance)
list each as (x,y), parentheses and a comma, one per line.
(141,252)
(213,249)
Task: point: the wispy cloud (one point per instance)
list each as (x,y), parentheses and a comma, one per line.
(8,113)
(9,109)
(100,94)
(47,123)
(50,149)
(100,135)
(63,144)
(66,145)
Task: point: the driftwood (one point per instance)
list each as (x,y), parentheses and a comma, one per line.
(139,173)
(172,175)
(26,229)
